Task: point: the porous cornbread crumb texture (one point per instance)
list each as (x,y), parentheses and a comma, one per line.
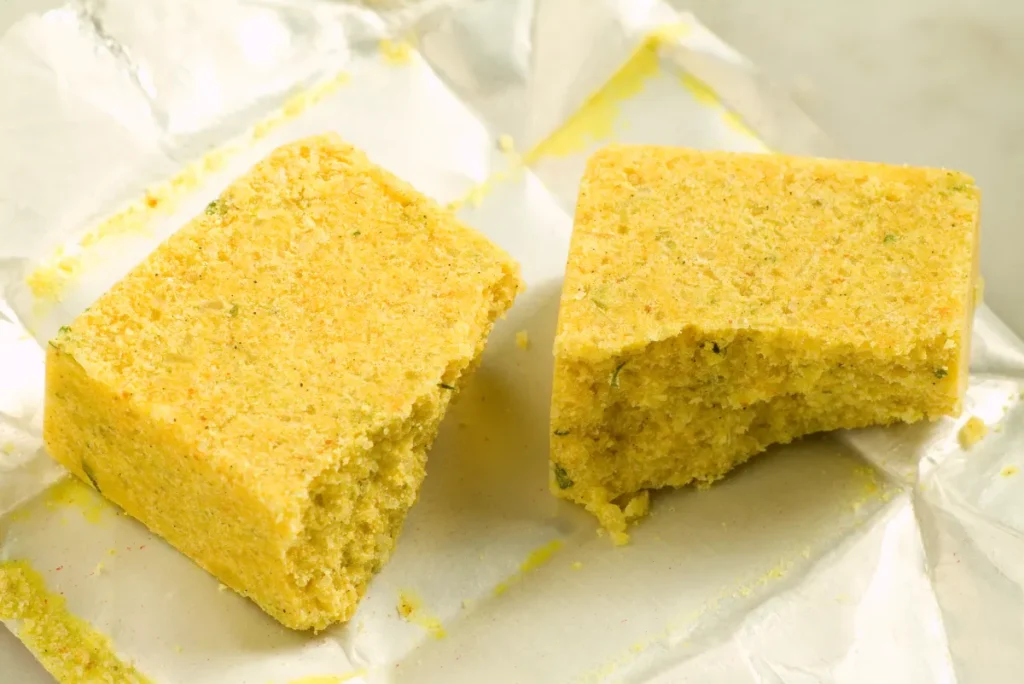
(262,390)
(716,303)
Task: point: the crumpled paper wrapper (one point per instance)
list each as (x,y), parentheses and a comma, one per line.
(886,555)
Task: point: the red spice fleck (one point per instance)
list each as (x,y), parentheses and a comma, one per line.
(142,547)
(59,568)
(151,201)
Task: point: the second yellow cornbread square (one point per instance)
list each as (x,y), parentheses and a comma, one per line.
(261,391)
(716,303)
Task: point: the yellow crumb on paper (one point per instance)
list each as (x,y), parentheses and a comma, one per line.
(111,552)
(396,52)
(99,569)
(8,448)
(410,608)
(872,488)
(177,648)
(67,646)
(523,339)
(222,587)
(49,281)
(536,559)
(72,493)
(577,565)
(972,432)
(506,143)
(1009,471)
(328,679)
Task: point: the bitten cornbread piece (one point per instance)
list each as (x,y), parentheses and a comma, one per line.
(717,303)
(261,391)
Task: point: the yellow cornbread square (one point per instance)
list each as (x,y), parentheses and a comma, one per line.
(261,390)
(716,303)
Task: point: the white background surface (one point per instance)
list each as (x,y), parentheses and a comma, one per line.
(924,82)
(934,82)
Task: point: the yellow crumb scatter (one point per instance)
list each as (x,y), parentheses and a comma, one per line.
(506,143)
(536,559)
(1009,471)
(410,608)
(972,432)
(67,646)
(523,339)
(396,52)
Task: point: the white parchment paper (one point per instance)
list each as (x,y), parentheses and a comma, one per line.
(877,556)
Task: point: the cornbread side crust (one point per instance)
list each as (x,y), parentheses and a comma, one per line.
(717,303)
(261,391)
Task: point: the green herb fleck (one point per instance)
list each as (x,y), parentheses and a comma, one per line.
(598,303)
(890,238)
(941,373)
(562,477)
(447,387)
(214,207)
(357,233)
(715,348)
(64,330)
(959,187)
(615,375)
(87,469)
(233,311)
(562,433)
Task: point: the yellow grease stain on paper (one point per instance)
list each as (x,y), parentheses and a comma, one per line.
(700,90)
(1009,471)
(67,646)
(328,679)
(595,120)
(48,282)
(537,558)
(72,493)
(410,607)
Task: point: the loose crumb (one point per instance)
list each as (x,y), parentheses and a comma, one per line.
(8,448)
(577,565)
(99,568)
(506,143)
(972,432)
(222,587)
(1009,471)
(523,339)
(396,52)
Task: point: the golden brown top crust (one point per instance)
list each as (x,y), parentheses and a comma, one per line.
(306,309)
(854,253)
